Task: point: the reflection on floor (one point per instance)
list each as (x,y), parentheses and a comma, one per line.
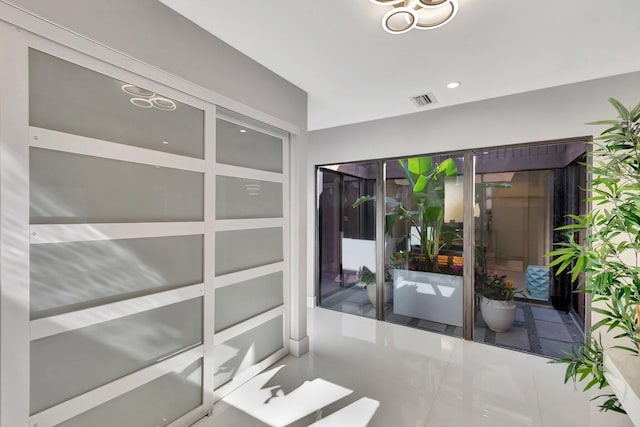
(379,374)
(538,328)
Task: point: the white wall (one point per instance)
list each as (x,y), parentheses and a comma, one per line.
(545,114)
(152,33)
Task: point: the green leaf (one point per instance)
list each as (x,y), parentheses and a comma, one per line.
(420,165)
(622,110)
(421,184)
(363,199)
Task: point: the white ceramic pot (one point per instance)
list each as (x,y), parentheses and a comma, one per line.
(498,315)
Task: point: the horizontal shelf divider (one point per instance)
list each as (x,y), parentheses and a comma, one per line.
(242,327)
(58,233)
(70,143)
(244,275)
(248,173)
(248,224)
(91,399)
(53,325)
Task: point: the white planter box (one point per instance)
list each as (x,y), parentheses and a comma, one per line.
(428,296)
(622,371)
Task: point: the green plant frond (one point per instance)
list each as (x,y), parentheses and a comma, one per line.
(404,165)
(421,184)
(603,122)
(622,110)
(363,199)
(448,167)
(420,165)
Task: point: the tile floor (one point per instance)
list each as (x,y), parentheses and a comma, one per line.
(363,372)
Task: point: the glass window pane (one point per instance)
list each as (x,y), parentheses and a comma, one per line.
(423,256)
(69,98)
(76,275)
(71,363)
(244,249)
(157,403)
(347,238)
(71,189)
(240,146)
(522,195)
(239,198)
(237,354)
(241,301)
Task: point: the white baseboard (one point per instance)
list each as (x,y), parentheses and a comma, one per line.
(298,348)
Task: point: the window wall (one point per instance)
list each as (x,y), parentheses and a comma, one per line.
(446,226)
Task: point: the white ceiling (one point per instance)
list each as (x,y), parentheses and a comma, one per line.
(353,71)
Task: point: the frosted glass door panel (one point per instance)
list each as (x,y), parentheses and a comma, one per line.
(249,149)
(240,198)
(71,363)
(157,403)
(76,275)
(71,188)
(241,301)
(237,354)
(69,98)
(244,249)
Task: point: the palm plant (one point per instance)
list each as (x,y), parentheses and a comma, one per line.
(606,263)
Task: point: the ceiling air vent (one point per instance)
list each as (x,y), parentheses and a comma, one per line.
(422,100)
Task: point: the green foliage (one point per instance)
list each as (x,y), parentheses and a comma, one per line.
(496,287)
(427,182)
(606,262)
(366,276)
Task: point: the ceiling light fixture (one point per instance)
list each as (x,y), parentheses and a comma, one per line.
(453,85)
(243,130)
(420,14)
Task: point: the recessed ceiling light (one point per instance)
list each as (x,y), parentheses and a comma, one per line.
(453,85)
(243,130)
(165,142)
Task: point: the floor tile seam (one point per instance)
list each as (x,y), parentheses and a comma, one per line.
(459,345)
(539,403)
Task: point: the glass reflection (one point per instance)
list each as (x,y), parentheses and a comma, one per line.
(347,238)
(68,98)
(522,195)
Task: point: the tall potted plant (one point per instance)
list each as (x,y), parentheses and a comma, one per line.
(606,262)
(423,211)
(426,179)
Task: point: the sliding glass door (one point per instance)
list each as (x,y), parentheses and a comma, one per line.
(347,238)
(423,242)
(460,232)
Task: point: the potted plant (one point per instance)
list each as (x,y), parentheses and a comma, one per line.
(419,288)
(368,279)
(606,262)
(496,300)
